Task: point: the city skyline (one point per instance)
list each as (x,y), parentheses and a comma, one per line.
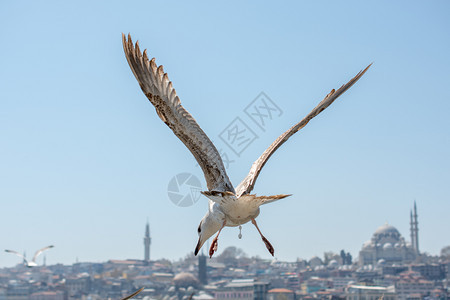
(85,159)
(413,243)
(232,275)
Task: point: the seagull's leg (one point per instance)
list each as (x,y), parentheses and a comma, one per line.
(268,244)
(214,243)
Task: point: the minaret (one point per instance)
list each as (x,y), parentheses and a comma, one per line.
(411,230)
(147,242)
(416,229)
(202,269)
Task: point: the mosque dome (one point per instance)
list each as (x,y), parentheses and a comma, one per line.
(333,263)
(386,234)
(185,280)
(315,262)
(368,244)
(386,229)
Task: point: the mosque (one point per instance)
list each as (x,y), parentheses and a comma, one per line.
(388,246)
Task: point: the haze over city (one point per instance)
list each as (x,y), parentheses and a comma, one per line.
(85,161)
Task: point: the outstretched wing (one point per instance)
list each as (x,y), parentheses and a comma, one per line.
(134,294)
(156,86)
(40,251)
(18,254)
(246,186)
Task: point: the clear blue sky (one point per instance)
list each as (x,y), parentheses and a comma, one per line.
(84,160)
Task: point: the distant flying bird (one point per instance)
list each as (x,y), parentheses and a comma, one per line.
(31,263)
(134,294)
(141,289)
(227,206)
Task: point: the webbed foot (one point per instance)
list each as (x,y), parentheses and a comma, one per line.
(213,247)
(268,245)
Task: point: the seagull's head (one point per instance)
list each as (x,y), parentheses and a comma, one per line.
(207,227)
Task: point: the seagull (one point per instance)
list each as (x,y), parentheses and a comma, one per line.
(227,206)
(133,295)
(31,263)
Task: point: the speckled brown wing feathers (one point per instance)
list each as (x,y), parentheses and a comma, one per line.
(158,88)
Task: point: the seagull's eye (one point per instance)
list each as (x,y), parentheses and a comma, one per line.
(199,228)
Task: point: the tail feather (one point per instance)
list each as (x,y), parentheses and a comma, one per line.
(273,198)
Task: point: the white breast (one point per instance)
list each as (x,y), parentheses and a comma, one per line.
(239,211)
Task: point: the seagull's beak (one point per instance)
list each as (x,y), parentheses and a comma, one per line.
(199,245)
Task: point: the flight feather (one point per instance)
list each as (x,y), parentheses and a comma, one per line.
(159,90)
